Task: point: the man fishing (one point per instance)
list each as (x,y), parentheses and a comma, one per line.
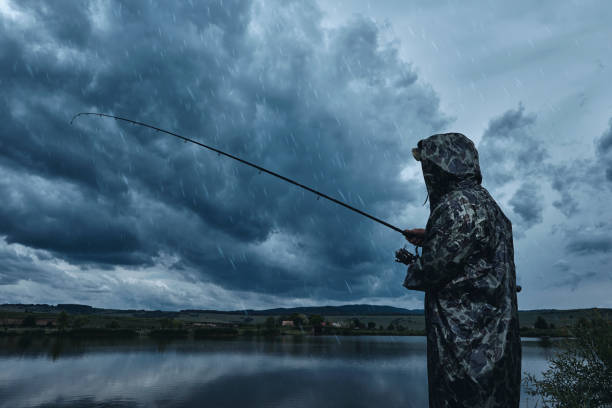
(467,273)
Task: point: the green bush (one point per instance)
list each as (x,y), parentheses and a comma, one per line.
(62,321)
(580,374)
(315,320)
(270,323)
(540,323)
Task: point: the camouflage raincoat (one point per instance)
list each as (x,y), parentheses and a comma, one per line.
(467,273)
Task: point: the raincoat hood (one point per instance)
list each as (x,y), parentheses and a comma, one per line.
(448,160)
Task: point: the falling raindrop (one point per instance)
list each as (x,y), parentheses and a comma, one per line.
(361,200)
(348,287)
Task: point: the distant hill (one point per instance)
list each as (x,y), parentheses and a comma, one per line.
(345,310)
(526,317)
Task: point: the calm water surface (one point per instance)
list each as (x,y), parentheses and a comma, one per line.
(327,371)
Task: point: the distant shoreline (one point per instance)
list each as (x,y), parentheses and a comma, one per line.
(81,321)
(348,309)
(180,334)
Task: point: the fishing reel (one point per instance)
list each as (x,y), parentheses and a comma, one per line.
(406,257)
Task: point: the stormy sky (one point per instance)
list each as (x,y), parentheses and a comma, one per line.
(332,94)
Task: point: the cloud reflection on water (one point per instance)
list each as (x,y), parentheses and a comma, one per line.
(355,373)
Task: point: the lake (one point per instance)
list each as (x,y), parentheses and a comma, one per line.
(324,371)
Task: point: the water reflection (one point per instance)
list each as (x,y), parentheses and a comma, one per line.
(284,372)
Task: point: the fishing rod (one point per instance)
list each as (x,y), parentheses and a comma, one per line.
(287,179)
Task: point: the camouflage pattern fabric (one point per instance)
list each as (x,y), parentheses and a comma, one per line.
(467,273)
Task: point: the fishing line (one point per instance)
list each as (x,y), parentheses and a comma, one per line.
(231,156)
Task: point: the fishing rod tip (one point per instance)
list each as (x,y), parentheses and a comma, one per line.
(75,116)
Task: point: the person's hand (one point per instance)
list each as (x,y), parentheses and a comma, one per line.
(415,236)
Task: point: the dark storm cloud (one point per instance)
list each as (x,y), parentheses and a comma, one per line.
(512,149)
(338,110)
(571,177)
(604,151)
(564,180)
(19,263)
(58,218)
(568,205)
(527,204)
(604,145)
(588,245)
(509,148)
(15,265)
(568,179)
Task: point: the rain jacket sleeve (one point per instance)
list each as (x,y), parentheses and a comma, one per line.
(449,240)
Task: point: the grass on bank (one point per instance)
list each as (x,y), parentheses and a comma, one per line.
(540,323)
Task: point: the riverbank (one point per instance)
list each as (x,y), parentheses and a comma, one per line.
(228,332)
(85,322)
(203,333)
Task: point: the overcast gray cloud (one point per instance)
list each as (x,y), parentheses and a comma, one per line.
(114,215)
